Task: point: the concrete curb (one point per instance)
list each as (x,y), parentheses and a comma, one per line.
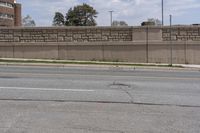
(190,66)
(94,64)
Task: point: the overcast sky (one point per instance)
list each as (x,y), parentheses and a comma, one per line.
(131,11)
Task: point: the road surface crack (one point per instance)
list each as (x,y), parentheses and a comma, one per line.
(124,87)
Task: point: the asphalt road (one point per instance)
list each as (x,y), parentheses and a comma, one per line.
(98,100)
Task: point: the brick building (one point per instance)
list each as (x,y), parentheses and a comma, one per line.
(10,13)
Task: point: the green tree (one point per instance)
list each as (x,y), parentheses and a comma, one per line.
(152,22)
(58,19)
(81,15)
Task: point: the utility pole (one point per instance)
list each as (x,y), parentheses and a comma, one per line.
(111,19)
(162,5)
(171,47)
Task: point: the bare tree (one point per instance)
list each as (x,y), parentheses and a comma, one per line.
(28,21)
(156,21)
(119,23)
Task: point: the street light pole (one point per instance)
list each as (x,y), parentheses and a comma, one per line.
(162,5)
(111,20)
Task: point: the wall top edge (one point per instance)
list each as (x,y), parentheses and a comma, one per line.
(69,27)
(102,27)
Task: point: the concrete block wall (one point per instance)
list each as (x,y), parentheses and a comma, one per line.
(130,44)
(99,34)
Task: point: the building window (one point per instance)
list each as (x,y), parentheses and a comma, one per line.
(6,4)
(6,16)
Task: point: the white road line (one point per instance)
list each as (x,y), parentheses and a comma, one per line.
(45,89)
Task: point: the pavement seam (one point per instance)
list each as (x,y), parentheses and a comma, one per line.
(105,102)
